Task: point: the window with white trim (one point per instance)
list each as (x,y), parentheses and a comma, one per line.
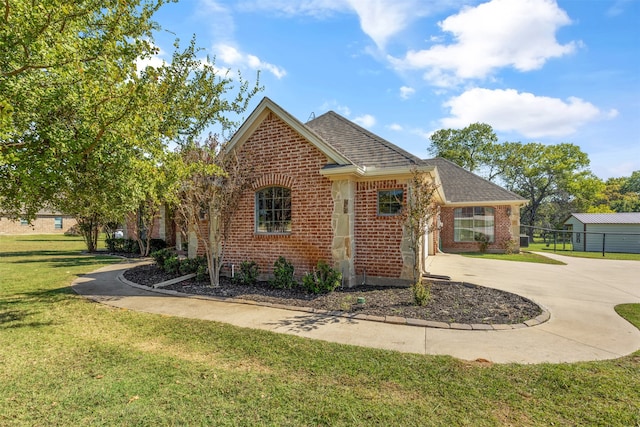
(473,224)
(57,223)
(273,210)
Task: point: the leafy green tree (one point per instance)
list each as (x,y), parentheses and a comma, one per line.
(546,174)
(76,101)
(619,195)
(473,148)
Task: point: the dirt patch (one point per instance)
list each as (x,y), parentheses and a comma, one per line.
(451,302)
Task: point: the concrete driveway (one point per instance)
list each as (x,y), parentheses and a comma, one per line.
(580,297)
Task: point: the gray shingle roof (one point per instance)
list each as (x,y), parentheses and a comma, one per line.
(462,186)
(363,148)
(366,149)
(608,218)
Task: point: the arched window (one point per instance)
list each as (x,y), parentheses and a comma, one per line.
(273,210)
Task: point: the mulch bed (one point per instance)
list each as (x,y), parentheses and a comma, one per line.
(451,302)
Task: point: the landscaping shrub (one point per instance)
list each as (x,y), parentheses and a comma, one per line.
(282,274)
(160,256)
(483,242)
(192,265)
(421,293)
(123,246)
(248,273)
(323,279)
(172,265)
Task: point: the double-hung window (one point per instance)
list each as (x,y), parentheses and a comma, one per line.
(473,224)
(273,210)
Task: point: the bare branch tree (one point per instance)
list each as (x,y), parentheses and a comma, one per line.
(417,216)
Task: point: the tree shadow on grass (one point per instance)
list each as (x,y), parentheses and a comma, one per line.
(66,262)
(19,311)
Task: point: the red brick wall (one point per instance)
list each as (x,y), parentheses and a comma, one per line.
(377,238)
(502,231)
(282,157)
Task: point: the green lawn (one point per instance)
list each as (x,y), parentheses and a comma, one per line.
(523,256)
(67,361)
(542,247)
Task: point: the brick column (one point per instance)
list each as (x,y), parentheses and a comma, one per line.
(342,223)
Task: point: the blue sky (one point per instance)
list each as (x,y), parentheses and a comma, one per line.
(535,70)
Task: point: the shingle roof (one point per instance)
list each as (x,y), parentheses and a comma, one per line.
(363,148)
(462,186)
(608,218)
(366,149)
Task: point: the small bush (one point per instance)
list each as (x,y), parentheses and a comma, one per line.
(282,274)
(202,273)
(248,273)
(322,280)
(160,256)
(123,246)
(483,242)
(191,265)
(172,265)
(509,246)
(421,293)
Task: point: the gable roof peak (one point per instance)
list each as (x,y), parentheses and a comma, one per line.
(363,147)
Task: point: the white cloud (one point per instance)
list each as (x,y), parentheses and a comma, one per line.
(334,105)
(406,92)
(396,127)
(366,120)
(218,17)
(379,19)
(235,58)
(493,35)
(530,115)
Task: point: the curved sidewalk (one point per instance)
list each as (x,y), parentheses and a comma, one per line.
(580,297)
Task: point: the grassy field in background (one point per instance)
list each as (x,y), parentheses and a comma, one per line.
(67,361)
(543,248)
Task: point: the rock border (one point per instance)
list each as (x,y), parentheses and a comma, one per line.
(396,320)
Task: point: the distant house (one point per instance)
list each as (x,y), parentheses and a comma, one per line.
(46,222)
(613,232)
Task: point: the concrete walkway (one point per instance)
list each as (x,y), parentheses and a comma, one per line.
(580,297)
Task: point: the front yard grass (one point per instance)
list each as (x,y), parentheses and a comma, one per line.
(523,256)
(68,361)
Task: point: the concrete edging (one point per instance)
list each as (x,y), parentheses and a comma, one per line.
(541,318)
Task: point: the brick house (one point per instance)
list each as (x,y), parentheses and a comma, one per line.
(45,222)
(331,190)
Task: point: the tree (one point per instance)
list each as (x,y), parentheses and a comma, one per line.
(417,216)
(473,148)
(76,98)
(547,173)
(619,195)
(212,181)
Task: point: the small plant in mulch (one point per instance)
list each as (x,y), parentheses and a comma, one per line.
(421,293)
(322,280)
(248,274)
(282,274)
